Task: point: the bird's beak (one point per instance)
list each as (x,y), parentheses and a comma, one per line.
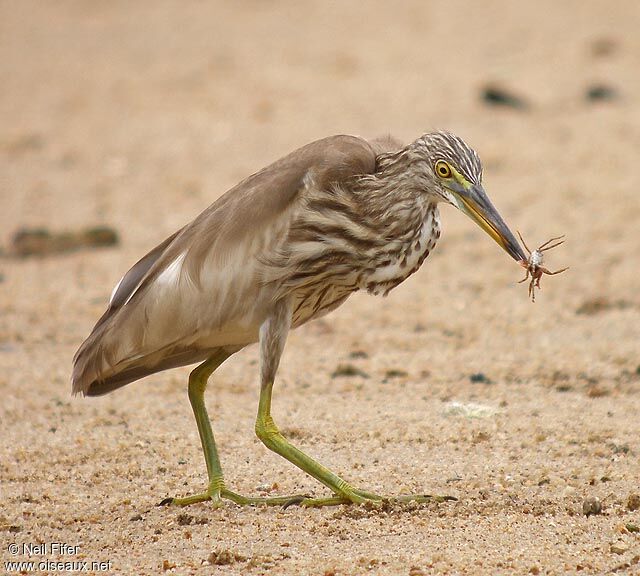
(475,203)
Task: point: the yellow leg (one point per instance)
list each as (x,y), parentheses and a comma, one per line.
(273,334)
(216,491)
(268,432)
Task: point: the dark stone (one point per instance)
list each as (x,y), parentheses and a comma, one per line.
(480,378)
(496,96)
(348,370)
(601,93)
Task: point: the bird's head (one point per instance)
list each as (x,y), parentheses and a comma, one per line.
(452,171)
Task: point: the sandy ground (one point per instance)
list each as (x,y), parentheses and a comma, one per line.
(137,115)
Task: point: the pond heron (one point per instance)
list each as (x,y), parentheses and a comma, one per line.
(287,245)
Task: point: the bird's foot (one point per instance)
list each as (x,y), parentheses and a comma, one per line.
(194,499)
(214,493)
(217,494)
(350,495)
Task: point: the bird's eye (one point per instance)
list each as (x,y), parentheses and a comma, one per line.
(443,169)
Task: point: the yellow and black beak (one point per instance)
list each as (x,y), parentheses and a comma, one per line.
(475,203)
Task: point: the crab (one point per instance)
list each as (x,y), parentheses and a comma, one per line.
(533,264)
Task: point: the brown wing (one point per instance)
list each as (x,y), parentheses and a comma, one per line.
(200,289)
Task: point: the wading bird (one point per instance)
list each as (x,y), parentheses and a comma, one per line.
(285,246)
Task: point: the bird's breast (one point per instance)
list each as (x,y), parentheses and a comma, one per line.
(395,265)
(316,301)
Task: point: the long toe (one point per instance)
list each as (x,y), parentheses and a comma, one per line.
(348,495)
(194,499)
(423,498)
(370,497)
(362,497)
(263,501)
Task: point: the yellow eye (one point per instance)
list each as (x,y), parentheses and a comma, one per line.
(443,169)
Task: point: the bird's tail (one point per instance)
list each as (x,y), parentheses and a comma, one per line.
(95,374)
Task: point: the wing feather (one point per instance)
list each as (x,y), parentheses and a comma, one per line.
(200,288)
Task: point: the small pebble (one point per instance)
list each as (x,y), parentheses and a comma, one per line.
(633,502)
(480,378)
(596,391)
(348,370)
(618,548)
(591,506)
(358,354)
(395,373)
(496,96)
(601,92)
(603,47)
(224,557)
(267,487)
(469,410)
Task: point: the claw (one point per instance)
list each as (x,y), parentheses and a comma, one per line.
(294,501)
